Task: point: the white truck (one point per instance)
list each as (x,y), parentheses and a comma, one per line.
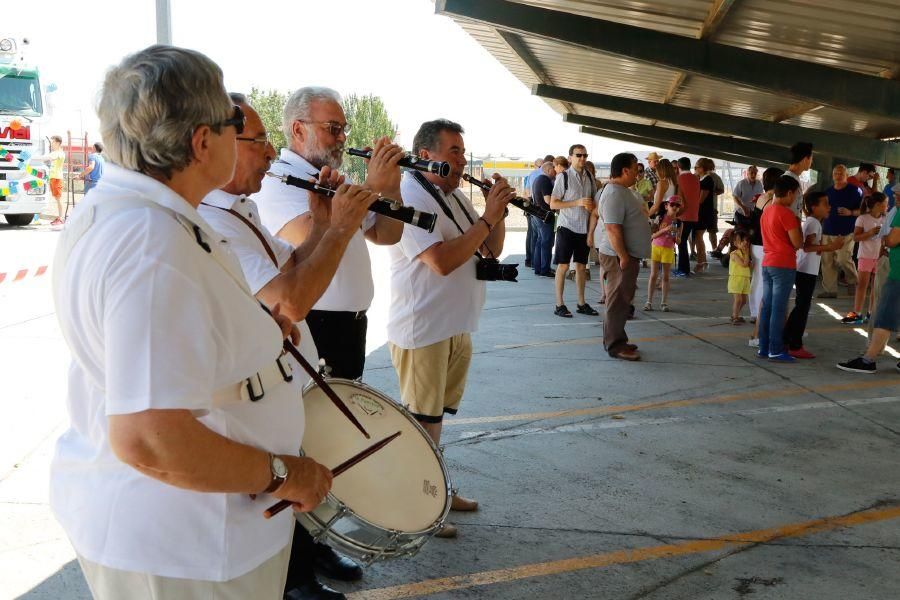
(23,109)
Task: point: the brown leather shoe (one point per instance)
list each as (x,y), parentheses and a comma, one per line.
(447,531)
(626,354)
(462,504)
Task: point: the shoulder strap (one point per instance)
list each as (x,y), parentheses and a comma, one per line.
(253,228)
(565,175)
(428,187)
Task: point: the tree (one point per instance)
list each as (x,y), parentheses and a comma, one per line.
(270,106)
(368,121)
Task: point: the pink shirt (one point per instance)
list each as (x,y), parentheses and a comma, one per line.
(870,248)
(667,240)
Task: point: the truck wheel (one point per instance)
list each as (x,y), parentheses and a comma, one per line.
(19,220)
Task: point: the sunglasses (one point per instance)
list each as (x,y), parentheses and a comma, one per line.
(580,155)
(237,120)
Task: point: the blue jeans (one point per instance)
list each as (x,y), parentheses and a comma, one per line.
(542,246)
(777,285)
(529,241)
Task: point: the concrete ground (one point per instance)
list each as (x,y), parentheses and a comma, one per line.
(697,473)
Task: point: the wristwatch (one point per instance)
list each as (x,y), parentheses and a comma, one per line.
(279,473)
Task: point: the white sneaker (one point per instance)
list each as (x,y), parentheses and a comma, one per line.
(753,343)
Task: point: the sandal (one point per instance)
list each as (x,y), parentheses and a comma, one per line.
(648,306)
(585,309)
(562,311)
(664,307)
(602,300)
(735,321)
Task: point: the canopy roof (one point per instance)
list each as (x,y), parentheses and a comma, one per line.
(747,78)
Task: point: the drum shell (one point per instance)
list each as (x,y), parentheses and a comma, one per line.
(336,524)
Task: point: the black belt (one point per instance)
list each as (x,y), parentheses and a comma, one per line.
(343,313)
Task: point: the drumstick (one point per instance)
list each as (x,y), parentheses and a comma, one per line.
(325,387)
(350,462)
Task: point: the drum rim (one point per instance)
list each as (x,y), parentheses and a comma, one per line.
(434,448)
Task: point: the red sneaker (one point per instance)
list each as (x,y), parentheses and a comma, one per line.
(56,221)
(801,353)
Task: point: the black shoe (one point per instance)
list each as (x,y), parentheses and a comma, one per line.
(329,563)
(528,263)
(562,311)
(313,590)
(858,365)
(585,309)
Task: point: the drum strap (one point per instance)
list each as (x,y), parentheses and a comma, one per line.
(288,346)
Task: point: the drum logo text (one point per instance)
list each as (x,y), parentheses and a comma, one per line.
(370,406)
(429,489)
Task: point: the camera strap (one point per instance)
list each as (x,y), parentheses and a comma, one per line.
(429,187)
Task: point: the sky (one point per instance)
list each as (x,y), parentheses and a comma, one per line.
(422,65)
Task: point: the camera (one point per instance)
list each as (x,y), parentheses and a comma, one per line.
(491,269)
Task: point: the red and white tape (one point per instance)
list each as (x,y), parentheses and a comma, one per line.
(22,274)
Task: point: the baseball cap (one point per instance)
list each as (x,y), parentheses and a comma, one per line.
(674,200)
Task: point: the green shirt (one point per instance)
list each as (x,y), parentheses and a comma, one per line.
(643,187)
(894,273)
(57,159)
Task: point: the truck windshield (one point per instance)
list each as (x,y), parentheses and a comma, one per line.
(20,92)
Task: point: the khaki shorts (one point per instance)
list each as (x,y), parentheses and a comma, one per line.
(265,582)
(433,378)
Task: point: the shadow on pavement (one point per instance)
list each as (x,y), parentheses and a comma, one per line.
(67,582)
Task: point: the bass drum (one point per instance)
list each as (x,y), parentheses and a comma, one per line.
(389,504)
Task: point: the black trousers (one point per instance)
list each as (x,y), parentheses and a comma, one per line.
(796,323)
(340,338)
(684,248)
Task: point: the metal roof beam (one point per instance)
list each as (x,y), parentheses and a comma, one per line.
(853,146)
(720,143)
(518,47)
(685,148)
(803,80)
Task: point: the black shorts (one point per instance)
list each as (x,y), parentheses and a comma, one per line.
(570,247)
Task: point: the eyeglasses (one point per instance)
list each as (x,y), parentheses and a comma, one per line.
(580,155)
(333,127)
(237,120)
(263,139)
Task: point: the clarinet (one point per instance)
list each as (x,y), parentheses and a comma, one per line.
(411,161)
(393,209)
(542,214)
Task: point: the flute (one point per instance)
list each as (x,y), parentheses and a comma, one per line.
(411,161)
(542,214)
(393,209)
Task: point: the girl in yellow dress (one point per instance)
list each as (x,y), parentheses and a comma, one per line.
(739,275)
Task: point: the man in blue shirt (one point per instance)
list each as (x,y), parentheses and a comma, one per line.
(845,200)
(530,236)
(94,169)
(889,188)
(542,245)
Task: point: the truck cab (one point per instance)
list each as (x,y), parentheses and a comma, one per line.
(22,112)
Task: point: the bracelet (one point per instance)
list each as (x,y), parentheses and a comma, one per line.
(489,226)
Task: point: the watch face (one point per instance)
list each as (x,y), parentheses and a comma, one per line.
(279,468)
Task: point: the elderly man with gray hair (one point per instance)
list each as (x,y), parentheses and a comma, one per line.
(316,128)
(154,479)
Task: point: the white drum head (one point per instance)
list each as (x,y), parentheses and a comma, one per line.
(400,487)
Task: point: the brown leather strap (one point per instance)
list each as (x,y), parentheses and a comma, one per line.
(252,227)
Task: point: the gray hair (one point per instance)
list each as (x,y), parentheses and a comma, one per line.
(151,104)
(429,133)
(297,106)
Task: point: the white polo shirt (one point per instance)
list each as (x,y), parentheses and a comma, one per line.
(427,308)
(258,268)
(153,321)
(351,289)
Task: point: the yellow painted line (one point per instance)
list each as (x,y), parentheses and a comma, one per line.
(597,340)
(621,557)
(617,409)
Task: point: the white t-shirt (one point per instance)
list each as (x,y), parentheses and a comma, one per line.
(351,289)
(797,206)
(255,262)
(153,321)
(870,248)
(809,262)
(427,308)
